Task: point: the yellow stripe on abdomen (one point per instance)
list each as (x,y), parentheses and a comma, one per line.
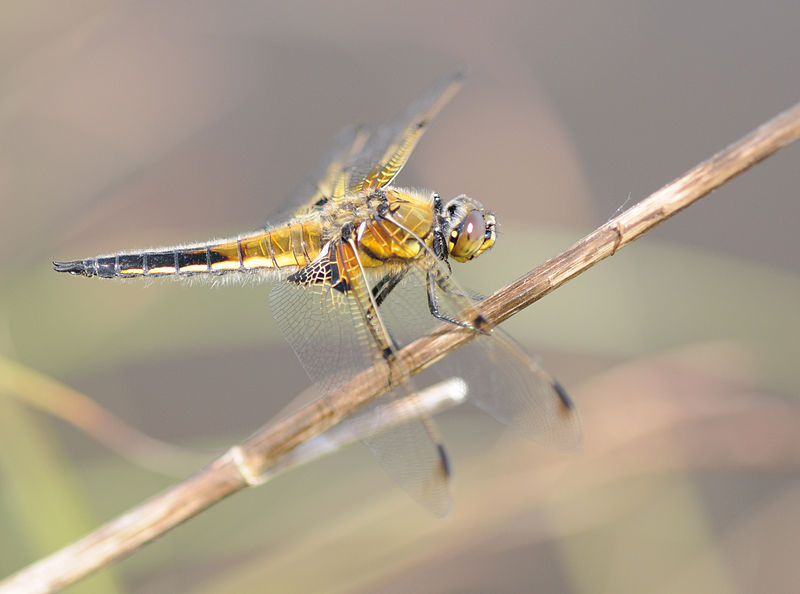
(292,246)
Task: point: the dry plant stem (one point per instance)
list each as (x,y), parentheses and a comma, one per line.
(224,477)
(431,400)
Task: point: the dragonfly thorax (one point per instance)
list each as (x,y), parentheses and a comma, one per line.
(393,225)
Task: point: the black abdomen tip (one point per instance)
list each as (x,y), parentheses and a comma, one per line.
(74,267)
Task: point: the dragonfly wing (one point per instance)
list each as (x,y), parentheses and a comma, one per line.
(323,327)
(327,332)
(503,379)
(520,393)
(355,161)
(412,455)
(387,150)
(320,183)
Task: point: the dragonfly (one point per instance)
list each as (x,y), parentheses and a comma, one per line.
(362,267)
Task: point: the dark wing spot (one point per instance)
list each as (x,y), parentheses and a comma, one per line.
(318,273)
(444,460)
(566,401)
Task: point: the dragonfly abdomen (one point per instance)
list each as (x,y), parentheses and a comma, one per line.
(292,246)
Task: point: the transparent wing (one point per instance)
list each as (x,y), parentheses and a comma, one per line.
(319,184)
(520,393)
(414,457)
(355,161)
(387,150)
(503,380)
(327,332)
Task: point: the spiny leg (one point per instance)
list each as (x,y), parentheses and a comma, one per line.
(385,286)
(478,323)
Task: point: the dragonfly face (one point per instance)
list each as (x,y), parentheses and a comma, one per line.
(472,232)
(361,269)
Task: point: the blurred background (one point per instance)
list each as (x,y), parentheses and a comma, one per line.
(132,124)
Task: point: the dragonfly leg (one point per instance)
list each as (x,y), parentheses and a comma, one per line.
(385,286)
(477,322)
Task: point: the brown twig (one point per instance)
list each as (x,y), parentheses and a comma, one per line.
(259,453)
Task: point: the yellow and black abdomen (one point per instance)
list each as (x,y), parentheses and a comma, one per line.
(292,246)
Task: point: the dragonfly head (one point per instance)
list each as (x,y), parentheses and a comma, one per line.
(471,229)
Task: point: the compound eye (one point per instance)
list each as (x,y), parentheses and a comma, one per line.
(471,234)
